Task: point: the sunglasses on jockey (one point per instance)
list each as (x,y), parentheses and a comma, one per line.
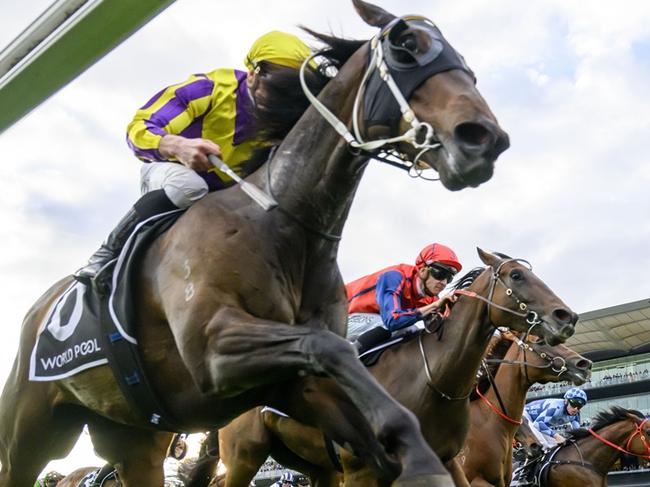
(442,272)
(576,403)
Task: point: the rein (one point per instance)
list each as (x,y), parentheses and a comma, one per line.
(530,316)
(637,431)
(503,416)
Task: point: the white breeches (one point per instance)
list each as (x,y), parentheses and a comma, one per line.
(182,185)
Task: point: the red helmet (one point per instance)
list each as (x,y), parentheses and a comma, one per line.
(436,252)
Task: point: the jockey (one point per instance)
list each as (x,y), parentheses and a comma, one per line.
(209,113)
(545,414)
(403,294)
(286,480)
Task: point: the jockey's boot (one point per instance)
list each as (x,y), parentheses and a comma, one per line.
(150,204)
(371,338)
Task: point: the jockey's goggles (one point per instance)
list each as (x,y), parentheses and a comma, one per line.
(576,403)
(442,272)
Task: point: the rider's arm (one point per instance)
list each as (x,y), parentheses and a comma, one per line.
(542,420)
(389,298)
(171,111)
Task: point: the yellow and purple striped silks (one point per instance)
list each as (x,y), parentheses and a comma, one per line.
(214,106)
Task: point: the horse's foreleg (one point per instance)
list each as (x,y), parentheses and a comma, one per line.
(243,352)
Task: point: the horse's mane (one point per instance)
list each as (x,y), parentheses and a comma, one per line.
(283,101)
(603,419)
(468,279)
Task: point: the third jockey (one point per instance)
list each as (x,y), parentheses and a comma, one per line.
(544,415)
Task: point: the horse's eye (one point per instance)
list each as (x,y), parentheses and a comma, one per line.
(516,275)
(409,42)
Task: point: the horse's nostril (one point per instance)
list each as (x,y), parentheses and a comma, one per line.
(563,316)
(584,364)
(473,134)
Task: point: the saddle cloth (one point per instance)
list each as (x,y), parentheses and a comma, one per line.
(533,472)
(85,329)
(91,479)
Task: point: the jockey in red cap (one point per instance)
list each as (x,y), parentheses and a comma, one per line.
(403,294)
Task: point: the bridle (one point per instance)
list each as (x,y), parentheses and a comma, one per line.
(557,364)
(638,430)
(420,135)
(531,317)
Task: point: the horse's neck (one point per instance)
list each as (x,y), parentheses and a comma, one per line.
(603,456)
(512,386)
(313,174)
(467,332)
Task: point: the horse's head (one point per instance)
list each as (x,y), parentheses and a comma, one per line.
(417,82)
(545,363)
(521,301)
(527,439)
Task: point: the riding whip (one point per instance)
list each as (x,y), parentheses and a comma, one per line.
(257,195)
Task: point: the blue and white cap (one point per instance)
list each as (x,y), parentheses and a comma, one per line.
(576,393)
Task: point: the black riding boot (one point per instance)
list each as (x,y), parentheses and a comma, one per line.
(370,338)
(151,204)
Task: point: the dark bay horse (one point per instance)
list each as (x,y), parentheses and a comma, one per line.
(486,457)
(589,454)
(432,376)
(261,324)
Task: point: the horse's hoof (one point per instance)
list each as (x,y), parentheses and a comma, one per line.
(439,480)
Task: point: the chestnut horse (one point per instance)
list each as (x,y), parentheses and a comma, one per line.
(432,376)
(486,457)
(590,453)
(74,478)
(267,308)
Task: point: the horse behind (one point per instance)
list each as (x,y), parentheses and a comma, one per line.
(432,375)
(74,478)
(239,307)
(590,453)
(486,457)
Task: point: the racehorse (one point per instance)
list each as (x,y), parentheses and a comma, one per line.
(238,306)
(486,457)
(590,453)
(432,376)
(74,478)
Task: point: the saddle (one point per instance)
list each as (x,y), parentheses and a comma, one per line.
(89,327)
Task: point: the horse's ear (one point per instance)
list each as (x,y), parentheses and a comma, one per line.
(488,258)
(371,14)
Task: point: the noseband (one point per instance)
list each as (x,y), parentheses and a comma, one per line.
(383,68)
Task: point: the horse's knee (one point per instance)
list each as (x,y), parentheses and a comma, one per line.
(327,350)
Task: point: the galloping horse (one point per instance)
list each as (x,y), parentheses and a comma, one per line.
(589,454)
(432,376)
(74,478)
(486,457)
(261,324)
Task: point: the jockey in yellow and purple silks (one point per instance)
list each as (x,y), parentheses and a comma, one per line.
(175,131)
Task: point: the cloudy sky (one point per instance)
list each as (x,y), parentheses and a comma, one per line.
(567,79)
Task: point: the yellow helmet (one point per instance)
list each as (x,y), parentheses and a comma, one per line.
(278,48)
